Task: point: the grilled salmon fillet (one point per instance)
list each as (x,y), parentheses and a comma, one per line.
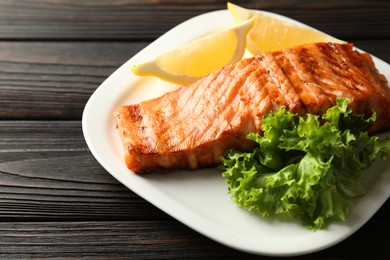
(193,126)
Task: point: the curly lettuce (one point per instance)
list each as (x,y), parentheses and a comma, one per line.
(305,167)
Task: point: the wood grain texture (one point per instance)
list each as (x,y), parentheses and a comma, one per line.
(135,19)
(43,80)
(108,240)
(154,240)
(48,172)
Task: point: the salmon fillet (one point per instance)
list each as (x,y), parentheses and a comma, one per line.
(193,126)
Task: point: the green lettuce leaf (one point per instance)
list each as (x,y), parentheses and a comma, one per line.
(305,167)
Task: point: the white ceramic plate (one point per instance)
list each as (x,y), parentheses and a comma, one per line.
(199,198)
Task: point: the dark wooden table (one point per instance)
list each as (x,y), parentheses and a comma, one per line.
(56,201)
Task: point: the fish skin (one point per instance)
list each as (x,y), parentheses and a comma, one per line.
(193,126)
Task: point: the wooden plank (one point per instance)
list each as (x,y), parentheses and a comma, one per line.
(47,172)
(155,239)
(40,80)
(107,240)
(134,19)
(55,79)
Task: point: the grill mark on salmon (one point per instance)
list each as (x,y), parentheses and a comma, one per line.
(289,94)
(194,125)
(230,94)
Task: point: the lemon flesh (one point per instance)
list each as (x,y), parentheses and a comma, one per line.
(199,57)
(269,33)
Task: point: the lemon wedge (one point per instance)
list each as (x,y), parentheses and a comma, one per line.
(199,57)
(269,33)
